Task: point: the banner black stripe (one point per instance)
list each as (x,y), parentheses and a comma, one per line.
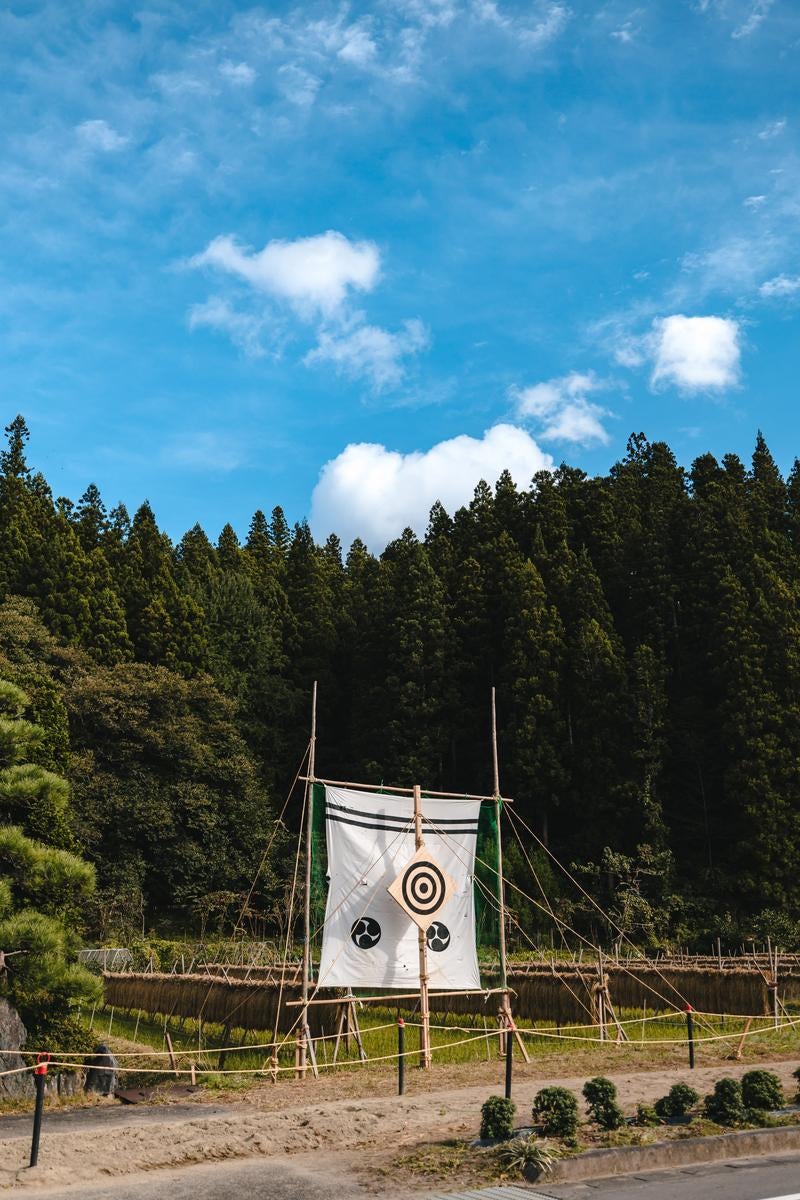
(390,817)
(392,829)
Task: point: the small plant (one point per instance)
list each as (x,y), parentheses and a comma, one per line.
(677,1102)
(796,1075)
(724,1106)
(762,1090)
(600,1095)
(646,1115)
(556,1110)
(497,1118)
(528,1155)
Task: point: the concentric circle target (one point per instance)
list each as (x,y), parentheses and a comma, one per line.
(424,888)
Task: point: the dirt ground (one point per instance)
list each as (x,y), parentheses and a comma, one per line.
(372,1135)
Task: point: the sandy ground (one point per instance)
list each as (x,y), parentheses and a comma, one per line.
(363,1134)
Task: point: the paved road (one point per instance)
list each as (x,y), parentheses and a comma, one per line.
(740,1179)
(285,1179)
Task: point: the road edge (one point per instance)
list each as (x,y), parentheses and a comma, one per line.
(681,1152)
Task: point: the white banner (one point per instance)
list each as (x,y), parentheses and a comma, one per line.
(368,940)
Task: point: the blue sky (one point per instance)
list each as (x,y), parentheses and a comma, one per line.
(347,258)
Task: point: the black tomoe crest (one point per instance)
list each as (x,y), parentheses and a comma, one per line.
(437,937)
(365,933)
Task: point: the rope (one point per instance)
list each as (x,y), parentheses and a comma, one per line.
(481,1037)
(603,914)
(273,835)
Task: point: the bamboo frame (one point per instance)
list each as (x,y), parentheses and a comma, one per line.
(312,762)
(505,1016)
(380,787)
(388,998)
(425,1058)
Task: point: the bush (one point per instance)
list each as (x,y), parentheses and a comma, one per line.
(497,1118)
(646,1115)
(556,1110)
(724,1105)
(528,1152)
(796,1075)
(762,1090)
(600,1095)
(677,1102)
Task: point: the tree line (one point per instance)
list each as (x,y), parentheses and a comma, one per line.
(640,627)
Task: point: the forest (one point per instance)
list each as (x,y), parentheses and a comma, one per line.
(641,629)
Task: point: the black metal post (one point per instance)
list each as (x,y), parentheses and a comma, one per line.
(38,1080)
(690,1034)
(509,1061)
(401,1056)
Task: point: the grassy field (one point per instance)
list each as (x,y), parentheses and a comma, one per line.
(650,1041)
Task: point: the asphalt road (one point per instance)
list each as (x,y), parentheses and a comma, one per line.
(774,1178)
(739,1179)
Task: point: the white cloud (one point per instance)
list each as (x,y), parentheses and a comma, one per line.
(202,452)
(243,328)
(733,267)
(374,493)
(99,135)
(625,34)
(696,353)
(561,408)
(368,352)
(773,130)
(312,274)
(241,73)
(299,86)
(358,46)
(754,201)
(758,13)
(550,22)
(781,285)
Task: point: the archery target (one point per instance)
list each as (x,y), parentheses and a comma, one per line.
(422,888)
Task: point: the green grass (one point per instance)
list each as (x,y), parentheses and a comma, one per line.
(575,1042)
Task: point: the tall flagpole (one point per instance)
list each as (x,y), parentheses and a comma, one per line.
(312,756)
(425,1015)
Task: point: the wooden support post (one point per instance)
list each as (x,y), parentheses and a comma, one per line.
(425,1016)
(339,1030)
(737,1054)
(601,994)
(173,1062)
(401,1056)
(312,762)
(226,1037)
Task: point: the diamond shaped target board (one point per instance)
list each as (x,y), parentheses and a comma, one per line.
(422,888)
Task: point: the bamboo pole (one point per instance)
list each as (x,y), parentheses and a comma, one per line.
(312,758)
(387,996)
(500,888)
(401,791)
(506,1018)
(425,1016)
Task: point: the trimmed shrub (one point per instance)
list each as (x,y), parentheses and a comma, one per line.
(762,1090)
(556,1110)
(724,1105)
(600,1095)
(646,1115)
(497,1118)
(677,1102)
